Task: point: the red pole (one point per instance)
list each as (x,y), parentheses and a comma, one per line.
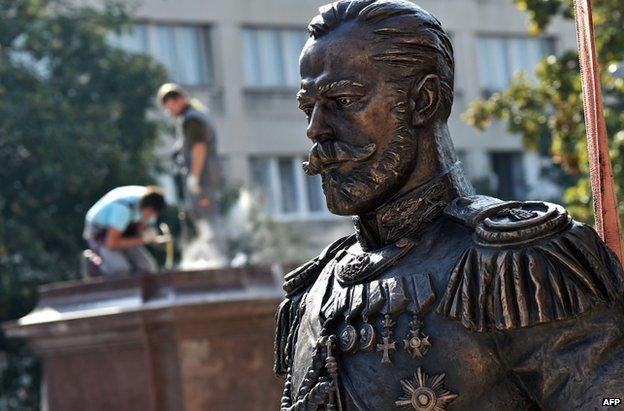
(600,171)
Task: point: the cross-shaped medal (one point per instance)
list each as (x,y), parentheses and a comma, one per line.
(386,346)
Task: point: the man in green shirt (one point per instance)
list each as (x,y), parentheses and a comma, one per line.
(198,164)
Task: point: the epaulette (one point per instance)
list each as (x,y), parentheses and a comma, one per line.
(295,283)
(529,263)
(306,274)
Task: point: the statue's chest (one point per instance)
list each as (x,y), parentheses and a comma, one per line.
(390,347)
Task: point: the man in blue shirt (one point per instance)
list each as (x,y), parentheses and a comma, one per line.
(118,226)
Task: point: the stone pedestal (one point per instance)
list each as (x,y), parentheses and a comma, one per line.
(175,341)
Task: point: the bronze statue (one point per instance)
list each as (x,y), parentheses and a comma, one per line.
(442,299)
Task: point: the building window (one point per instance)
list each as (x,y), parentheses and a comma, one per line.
(271,56)
(133,40)
(183,49)
(499,58)
(285,190)
(509,174)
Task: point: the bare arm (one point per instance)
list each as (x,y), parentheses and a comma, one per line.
(198,158)
(115,240)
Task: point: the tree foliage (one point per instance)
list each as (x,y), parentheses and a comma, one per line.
(549,111)
(72,126)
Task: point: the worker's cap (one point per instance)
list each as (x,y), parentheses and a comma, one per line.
(168,89)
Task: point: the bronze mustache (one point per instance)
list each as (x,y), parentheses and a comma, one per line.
(331,153)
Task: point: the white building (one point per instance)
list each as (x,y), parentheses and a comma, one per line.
(240,58)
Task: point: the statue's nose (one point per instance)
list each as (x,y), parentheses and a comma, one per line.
(319,129)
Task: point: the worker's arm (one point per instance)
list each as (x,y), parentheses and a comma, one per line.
(116,240)
(198,158)
(195,135)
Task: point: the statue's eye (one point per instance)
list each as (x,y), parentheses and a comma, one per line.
(345,101)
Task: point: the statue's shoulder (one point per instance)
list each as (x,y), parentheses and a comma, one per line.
(528,263)
(299,279)
(296,283)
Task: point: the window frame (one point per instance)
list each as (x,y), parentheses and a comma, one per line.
(283,85)
(303,211)
(548,40)
(205,58)
(516,158)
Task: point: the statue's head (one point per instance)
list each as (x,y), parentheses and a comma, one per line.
(377,82)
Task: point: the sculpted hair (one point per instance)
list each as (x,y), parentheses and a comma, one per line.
(408,39)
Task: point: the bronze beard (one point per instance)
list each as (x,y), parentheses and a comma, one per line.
(364,188)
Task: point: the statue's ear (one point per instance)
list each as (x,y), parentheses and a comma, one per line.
(424,98)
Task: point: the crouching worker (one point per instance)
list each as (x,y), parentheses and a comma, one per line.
(119,225)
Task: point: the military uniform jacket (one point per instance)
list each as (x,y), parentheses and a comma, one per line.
(488,305)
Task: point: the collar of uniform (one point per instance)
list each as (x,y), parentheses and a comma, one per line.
(405,215)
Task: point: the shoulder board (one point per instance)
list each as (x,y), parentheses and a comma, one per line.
(306,274)
(471,210)
(529,263)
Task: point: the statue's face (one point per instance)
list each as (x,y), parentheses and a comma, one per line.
(363,148)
